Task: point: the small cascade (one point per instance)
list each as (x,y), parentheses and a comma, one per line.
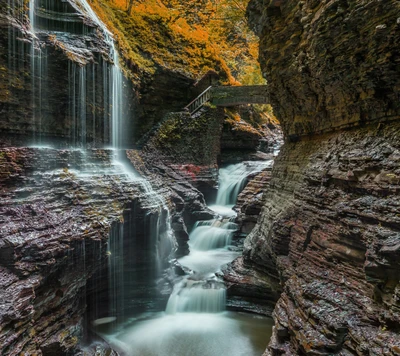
(233,178)
(197,297)
(212,234)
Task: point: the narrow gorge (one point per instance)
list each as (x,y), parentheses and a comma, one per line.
(199,178)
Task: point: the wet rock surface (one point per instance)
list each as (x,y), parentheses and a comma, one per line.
(329,223)
(185,149)
(182,180)
(329,64)
(250,201)
(328,230)
(249,290)
(56,213)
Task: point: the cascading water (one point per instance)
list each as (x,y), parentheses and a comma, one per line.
(60,23)
(198,297)
(128,268)
(232,180)
(210,235)
(195,321)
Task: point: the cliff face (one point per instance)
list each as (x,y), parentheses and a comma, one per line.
(329,232)
(55,79)
(329,64)
(59,219)
(329,227)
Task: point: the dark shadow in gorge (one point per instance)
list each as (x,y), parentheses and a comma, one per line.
(129,280)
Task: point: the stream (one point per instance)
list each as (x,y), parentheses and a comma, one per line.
(195,321)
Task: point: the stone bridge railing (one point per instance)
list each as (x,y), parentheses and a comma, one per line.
(230,96)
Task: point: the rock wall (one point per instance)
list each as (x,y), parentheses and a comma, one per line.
(329,230)
(329,227)
(54,86)
(329,64)
(56,216)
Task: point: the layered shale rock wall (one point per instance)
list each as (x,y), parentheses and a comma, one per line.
(329,228)
(329,233)
(329,64)
(55,81)
(57,211)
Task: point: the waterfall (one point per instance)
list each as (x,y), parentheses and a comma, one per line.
(117,94)
(36,75)
(195,321)
(116,269)
(59,20)
(233,178)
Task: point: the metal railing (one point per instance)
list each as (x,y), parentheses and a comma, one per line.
(197,103)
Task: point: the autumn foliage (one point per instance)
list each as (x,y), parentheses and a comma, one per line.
(186,36)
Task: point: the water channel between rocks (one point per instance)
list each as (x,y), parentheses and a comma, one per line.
(195,321)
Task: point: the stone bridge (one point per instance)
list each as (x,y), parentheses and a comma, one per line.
(230,96)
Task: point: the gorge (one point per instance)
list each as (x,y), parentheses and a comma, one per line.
(129,226)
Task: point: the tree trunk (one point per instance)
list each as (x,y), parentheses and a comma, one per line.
(129,6)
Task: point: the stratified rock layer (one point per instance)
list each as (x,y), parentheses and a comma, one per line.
(56,213)
(329,64)
(329,227)
(250,201)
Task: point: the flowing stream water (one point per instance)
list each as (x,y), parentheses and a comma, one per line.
(195,321)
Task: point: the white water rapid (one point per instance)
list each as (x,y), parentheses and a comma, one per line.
(195,322)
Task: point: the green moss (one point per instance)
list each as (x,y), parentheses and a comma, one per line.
(188,139)
(169,132)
